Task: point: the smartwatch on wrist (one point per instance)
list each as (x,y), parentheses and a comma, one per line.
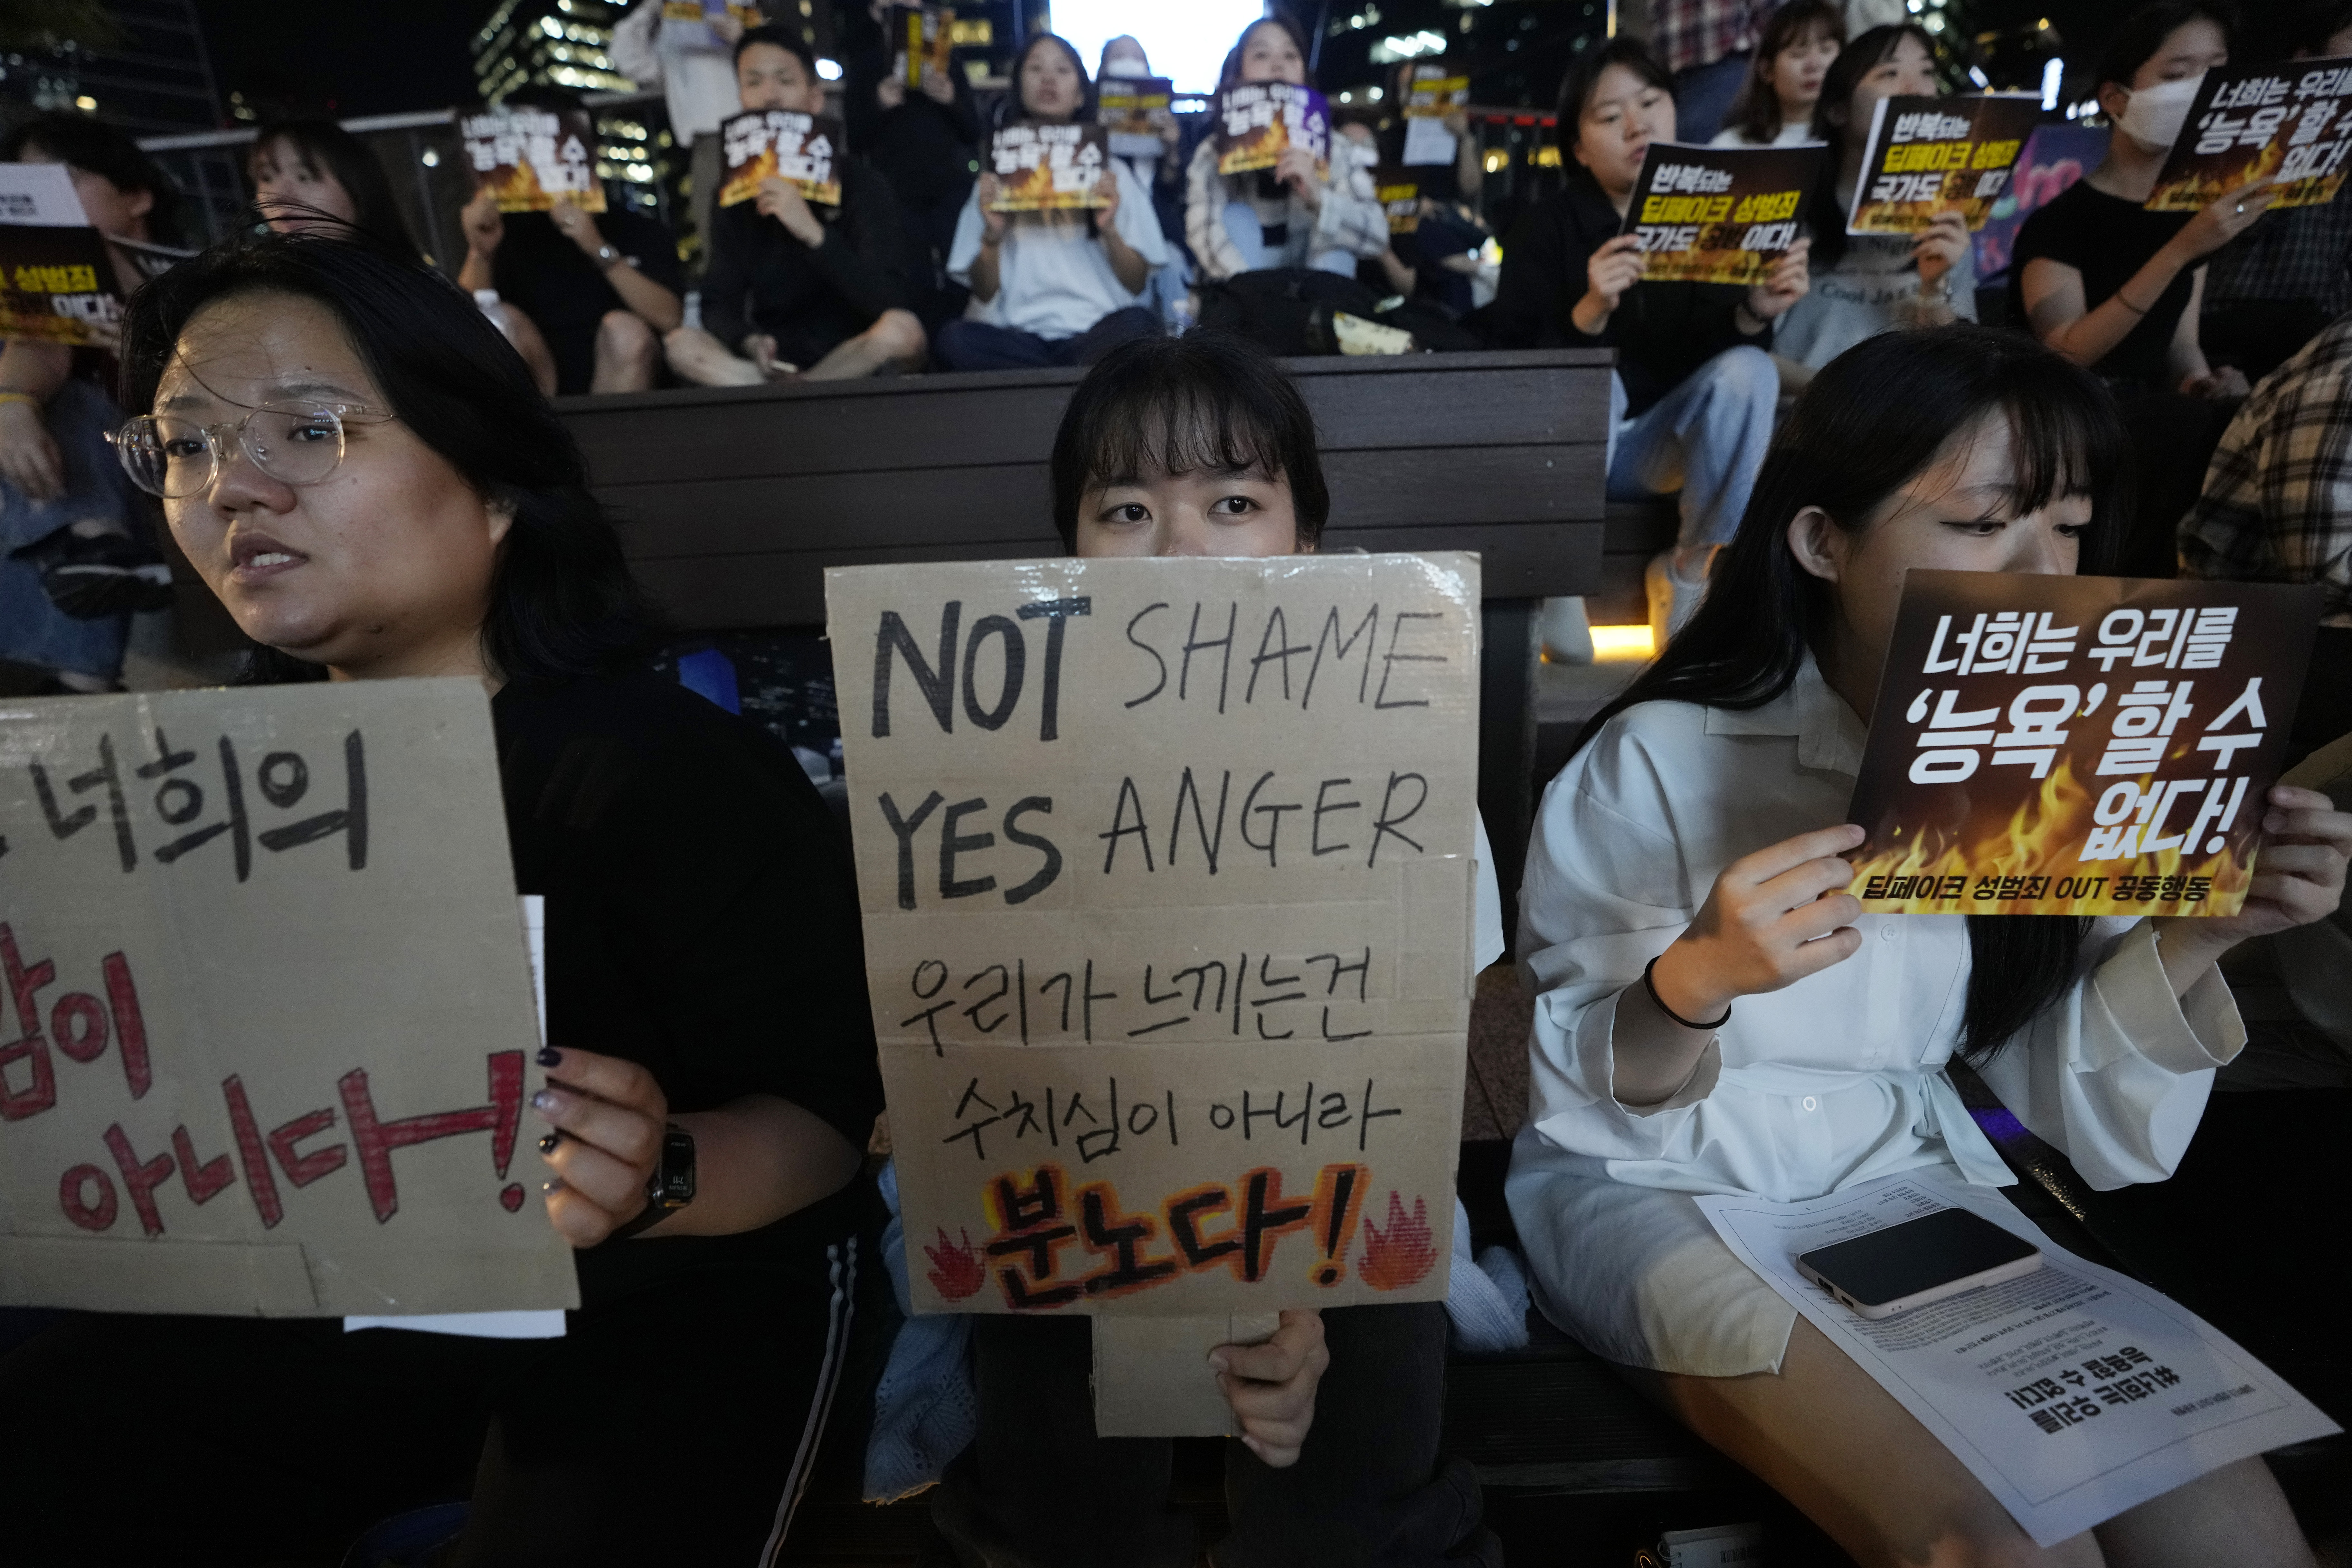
(671,1186)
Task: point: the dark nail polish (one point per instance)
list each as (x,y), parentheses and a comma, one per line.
(547,1144)
(550,1184)
(548,1055)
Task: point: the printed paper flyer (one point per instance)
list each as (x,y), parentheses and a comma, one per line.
(1720,215)
(1929,156)
(1400,196)
(56,278)
(531,158)
(1048,168)
(1434,93)
(782,144)
(1257,120)
(2047,745)
(2289,123)
(1124,106)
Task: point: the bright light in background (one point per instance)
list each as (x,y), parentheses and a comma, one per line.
(2053,73)
(1186,39)
(1388,51)
(829,69)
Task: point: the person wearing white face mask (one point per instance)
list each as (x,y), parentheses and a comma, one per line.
(2108,284)
(2116,289)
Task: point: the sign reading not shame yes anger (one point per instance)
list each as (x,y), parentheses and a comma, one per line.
(269,1009)
(1167,874)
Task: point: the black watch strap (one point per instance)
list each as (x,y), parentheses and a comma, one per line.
(670,1187)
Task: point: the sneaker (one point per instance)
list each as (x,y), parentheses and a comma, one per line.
(1567,632)
(93,578)
(1673,598)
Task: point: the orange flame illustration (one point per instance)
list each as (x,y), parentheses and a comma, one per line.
(2040,839)
(956,1271)
(1405,1255)
(2208,180)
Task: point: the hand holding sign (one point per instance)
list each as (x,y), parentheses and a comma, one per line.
(1772,917)
(1271,1386)
(29,454)
(1790,280)
(608,1116)
(781,200)
(2299,880)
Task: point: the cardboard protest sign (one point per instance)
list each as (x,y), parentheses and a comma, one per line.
(1720,214)
(1434,94)
(1048,168)
(270,1020)
(1256,120)
(782,144)
(532,158)
(1166,871)
(56,277)
(1930,155)
(1399,191)
(920,36)
(2048,745)
(2289,123)
(1124,106)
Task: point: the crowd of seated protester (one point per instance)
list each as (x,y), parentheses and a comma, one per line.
(1685,923)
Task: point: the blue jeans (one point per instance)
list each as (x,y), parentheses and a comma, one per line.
(1703,95)
(1705,438)
(33,630)
(977,345)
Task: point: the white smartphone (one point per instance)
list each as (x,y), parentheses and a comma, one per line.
(1918,1261)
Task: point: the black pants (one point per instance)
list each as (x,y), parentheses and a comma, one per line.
(1038,1490)
(673,1425)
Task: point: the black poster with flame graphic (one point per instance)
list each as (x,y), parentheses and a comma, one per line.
(2289,123)
(2047,745)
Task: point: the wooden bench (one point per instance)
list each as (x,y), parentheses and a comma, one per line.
(733,501)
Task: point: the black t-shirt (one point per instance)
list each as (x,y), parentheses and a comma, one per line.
(1662,332)
(565,294)
(2106,240)
(701,921)
(1440,180)
(763,278)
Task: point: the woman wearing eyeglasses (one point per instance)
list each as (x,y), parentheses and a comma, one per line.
(360,468)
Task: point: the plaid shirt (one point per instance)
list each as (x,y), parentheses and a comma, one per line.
(1688,33)
(2277,506)
(2303,253)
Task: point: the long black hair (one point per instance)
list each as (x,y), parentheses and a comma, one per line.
(2140,35)
(562,602)
(1206,402)
(1863,54)
(325,147)
(1876,417)
(1755,110)
(97,148)
(1017,107)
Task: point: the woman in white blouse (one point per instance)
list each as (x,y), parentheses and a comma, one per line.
(1781,1043)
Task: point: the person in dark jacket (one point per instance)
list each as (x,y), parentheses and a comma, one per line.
(797,287)
(1695,389)
(926,142)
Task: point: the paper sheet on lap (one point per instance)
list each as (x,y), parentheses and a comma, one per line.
(2072,1394)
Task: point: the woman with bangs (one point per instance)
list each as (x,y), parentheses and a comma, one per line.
(1715,1014)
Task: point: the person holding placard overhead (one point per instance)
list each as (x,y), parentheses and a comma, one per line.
(360,468)
(798,288)
(1865,284)
(1052,288)
(1293,214)
(1199,446)
(1694,392)
(1714,1013)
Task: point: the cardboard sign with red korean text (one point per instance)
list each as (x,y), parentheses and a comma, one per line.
(1167,872)
(269,1017)
(2048,745)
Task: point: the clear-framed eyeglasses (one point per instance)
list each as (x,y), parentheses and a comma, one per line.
(295,443)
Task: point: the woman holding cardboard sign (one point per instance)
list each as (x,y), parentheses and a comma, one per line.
(1716,1014)
(363,471)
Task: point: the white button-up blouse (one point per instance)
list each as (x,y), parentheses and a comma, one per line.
(1838,1077)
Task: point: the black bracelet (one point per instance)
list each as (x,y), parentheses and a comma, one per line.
(1652,987)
